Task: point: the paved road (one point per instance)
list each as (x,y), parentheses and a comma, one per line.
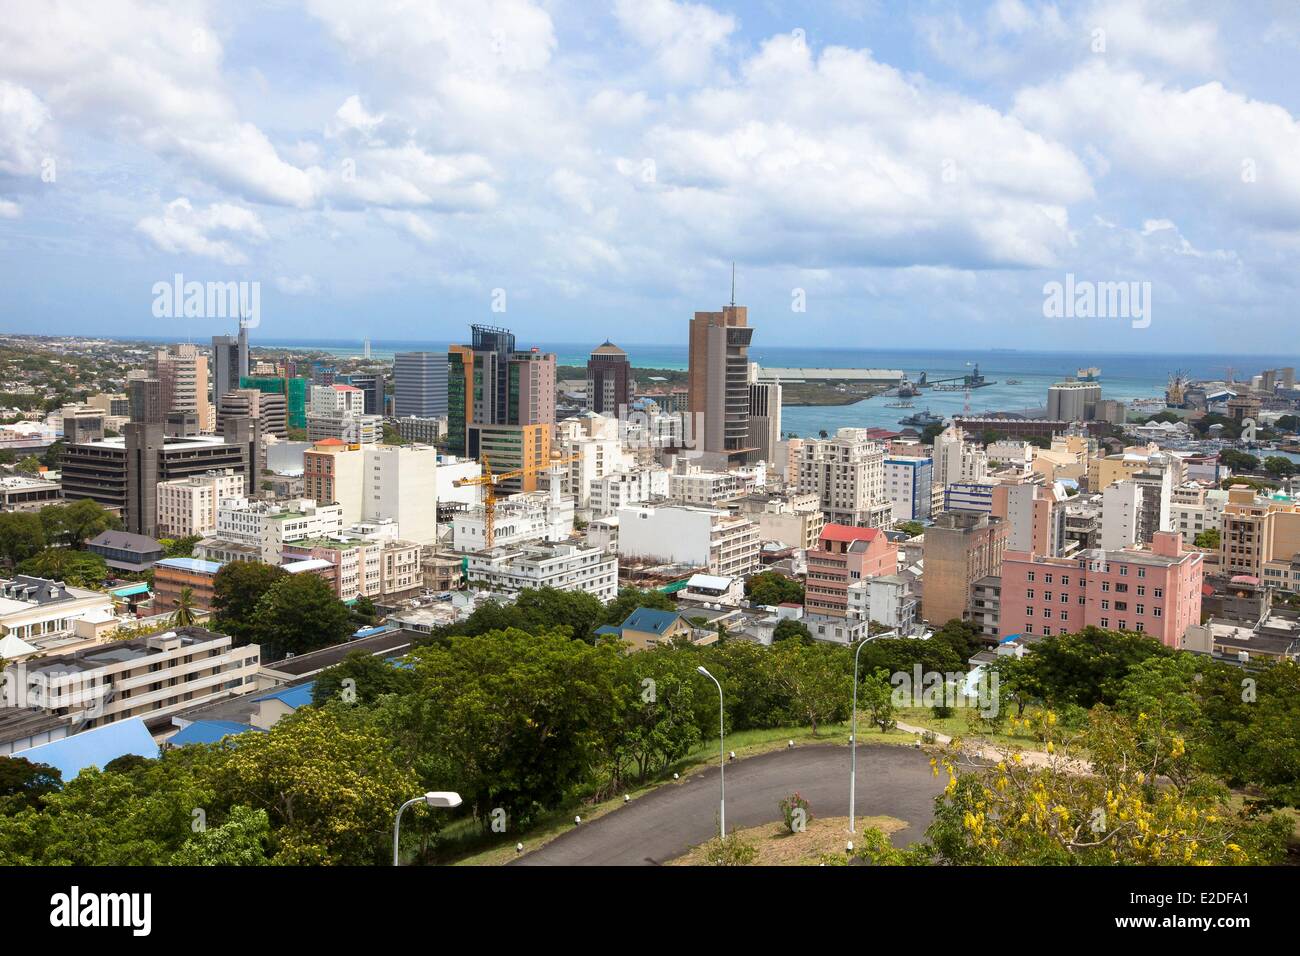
(892,781)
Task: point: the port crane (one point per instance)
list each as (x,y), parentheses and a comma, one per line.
(488,482)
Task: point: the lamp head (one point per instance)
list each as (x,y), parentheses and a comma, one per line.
(442,799)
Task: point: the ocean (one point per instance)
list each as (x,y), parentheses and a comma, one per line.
(1124,376)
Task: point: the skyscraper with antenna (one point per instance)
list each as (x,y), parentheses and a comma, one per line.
(718,379)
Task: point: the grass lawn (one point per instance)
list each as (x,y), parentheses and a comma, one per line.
(464,844)
(777,846)
(960,725)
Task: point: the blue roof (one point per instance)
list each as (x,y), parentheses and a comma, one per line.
(650,620)
(609,629)
(127,590)
(207,732)
(95,748)
(196,565)
(299,695)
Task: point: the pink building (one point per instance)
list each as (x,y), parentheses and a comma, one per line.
(845,554)
(1155,590)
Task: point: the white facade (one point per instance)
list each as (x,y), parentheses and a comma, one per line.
(401,484)
(188,506)
(451,470)
(847,473)
(1191,514)
(521,518)
(886,599)
(909,487)
(957,460)
(1121,504)
(723,543)
(622,488)
(270,525)
(565,567)
(1008,453)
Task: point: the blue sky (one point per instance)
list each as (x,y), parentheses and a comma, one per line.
(912,174)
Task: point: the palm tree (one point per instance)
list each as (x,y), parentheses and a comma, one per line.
(184,615)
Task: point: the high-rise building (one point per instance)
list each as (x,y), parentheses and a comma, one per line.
(268,407)
(376,482)
(609,379)
(188,506)
(336,411)
(764,419)
(718,378)
(294,389)
(419,385)
(372,385)
(847,474)
(229,363)
(182,372)
(499,397)
(960,548)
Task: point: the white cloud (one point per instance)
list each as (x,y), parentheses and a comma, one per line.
(212,232)
(296,285)
(23,130)
(683,37)
(10,209)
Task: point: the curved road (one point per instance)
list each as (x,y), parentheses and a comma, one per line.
(665,823)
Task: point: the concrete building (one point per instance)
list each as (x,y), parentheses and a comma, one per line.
(268,407)
(847,473)
(1194,509)
(372,388)
(708,538)
(375,482)
(49,615)
(1258,531)
(149,678)
(81,423)
(188,506)
(960,548)
(609,380)
(423,431)
(794,520)
(887,600)
(123,473)
(229,363)
(607,494)
(172,576)
(691,485)
(843,555)
(559,565)
(972,496)
(764,419)
(1034,515)
(182,373)
(387,569)
(336,411)
(908,487)
(270,525)
(956,459)
(28,492)
(718,379)
(520,518)
(1155,590)
(419,385)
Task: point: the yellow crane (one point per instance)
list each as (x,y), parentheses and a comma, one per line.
(488,480)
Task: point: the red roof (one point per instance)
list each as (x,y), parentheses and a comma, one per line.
(330,441)
(345,388)
(848,532)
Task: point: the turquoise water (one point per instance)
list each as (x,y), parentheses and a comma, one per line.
(1123,376)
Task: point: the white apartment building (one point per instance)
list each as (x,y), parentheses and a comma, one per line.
(45,614)
(528,516)
(1121,507)
(795,521)
(377,568)
(1006,453)
(563,566)
(375,482)
(188,506)
(707,489)
(847,473)
(591,459)
(1194,509)
(886,599)
(723,543)
(605,495)
(958,460)
(270,525)
(450,470)
(338,411)
(148,677)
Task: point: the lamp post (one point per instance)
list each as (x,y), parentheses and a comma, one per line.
(443,799)
(722,753)
(853,744)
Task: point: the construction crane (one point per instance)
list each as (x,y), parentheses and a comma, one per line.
(488,480)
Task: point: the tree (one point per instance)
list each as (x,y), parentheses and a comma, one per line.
(184,615)
(660,725)
(1238,460)
(877,696)
(31,465)
(1279,467)
(1209,538)
(328,781)
(629,599)
(362,678)
(392,436)
(21,536)
(180,547)
(816,678)
(236,591)
(1083,669)
(76,568)
(76,523)
(771,588)
(788,627)
(1125,807)
(299,613)
(910,528)
(239,841)
(23,783)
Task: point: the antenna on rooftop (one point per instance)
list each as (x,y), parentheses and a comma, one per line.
(733,282)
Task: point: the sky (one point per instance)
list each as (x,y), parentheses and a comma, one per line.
(893,175)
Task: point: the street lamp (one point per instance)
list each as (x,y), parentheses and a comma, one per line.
(853,743)
(722,752)
(442,799)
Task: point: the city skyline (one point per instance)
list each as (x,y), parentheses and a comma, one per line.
(901,174)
